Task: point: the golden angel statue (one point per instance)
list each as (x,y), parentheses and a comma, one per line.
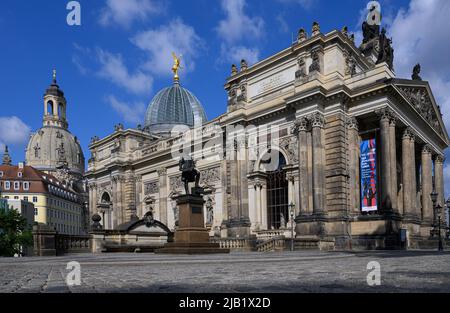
(176,66)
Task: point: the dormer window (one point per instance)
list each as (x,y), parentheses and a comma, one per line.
(16,185)
(7,185)
(26,185)
(1,174)
(19,174)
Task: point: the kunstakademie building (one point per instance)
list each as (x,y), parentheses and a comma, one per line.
(359,150)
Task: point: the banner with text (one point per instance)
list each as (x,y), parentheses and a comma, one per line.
(368,166)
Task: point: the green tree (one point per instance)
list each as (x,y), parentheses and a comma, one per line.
(14,233)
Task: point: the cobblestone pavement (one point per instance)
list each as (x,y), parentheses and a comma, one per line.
(238,272)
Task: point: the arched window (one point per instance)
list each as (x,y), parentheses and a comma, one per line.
(106,198)
(50,108)
(277,196)
(60,110)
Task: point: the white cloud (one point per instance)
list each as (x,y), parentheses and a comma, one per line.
(125,12)
(113,69)
(304,3)
(421,35)
(237,25)
(131,113)
(235,54)
(13,131)
(284,27)
(159,43)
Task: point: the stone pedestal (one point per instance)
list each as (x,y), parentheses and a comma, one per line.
(191,237)
(44,239)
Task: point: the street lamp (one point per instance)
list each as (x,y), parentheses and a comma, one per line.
(439,210)
(448,214)
(436,218)
(291,213)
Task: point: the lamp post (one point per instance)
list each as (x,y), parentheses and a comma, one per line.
(439,209)
(291,213)
(436,219)
(447,203)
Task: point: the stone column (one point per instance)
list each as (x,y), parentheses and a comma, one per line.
(242,179)
(162,174)
(138,196)
(386,180)
(264,205)
(414,207)
(130,196)
(354,153)
(393,162)
(407,169)
(427,185)
(317,124)
(439,182)
(258,186)
(300,129)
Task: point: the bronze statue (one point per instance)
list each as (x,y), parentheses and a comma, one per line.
(189,174)
(416,72)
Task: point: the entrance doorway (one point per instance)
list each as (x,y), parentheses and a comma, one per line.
(277,196)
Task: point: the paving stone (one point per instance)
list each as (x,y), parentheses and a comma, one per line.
(308,271)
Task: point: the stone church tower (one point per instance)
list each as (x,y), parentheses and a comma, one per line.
(53,149)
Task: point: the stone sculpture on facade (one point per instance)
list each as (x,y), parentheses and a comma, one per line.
(315,65)
(234,69)
(301,72)
(416,72)
(209,211)
(386,52)
(302,36)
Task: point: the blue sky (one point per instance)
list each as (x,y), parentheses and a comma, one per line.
(112,65)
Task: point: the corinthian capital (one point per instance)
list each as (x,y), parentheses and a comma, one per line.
(317,120)
(352,123)
(385,114)
(408,133)
(427,149)
(300,125)
(440,159)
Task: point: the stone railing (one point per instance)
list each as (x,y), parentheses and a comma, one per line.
(268,234)
(239,244)
(72,244)
(272,244)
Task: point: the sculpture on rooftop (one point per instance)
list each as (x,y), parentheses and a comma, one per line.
(416,72)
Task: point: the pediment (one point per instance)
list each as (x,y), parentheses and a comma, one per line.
(420,97)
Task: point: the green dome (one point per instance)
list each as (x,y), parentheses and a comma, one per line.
(173,106)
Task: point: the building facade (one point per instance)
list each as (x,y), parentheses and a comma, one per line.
(55,204)
(359,151)
(55,151)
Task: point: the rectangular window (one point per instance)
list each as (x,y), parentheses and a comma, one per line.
(7,185)
(16,197)
(35,199)
(25,199)
(1,174)
(36,212)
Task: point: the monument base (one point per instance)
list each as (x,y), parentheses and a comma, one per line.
(191,237)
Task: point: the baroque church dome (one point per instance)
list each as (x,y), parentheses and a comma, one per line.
(173,106)
(53,147)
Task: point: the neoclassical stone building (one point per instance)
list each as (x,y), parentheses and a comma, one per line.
(359,150)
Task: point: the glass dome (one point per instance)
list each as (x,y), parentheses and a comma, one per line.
(173,106)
